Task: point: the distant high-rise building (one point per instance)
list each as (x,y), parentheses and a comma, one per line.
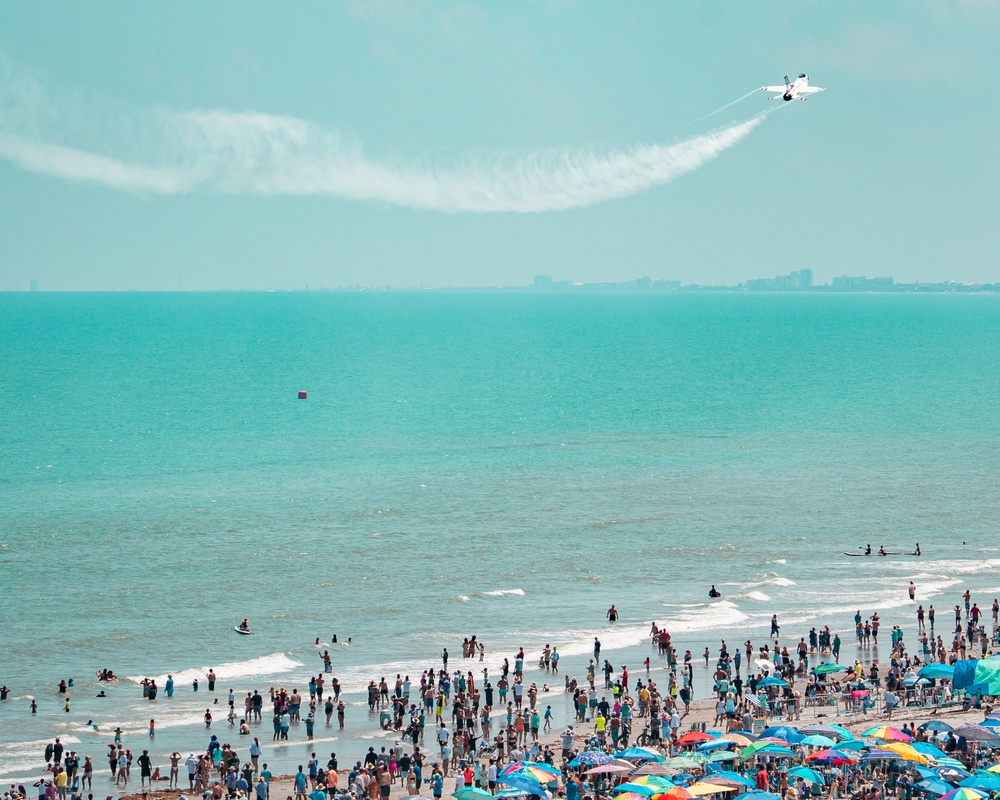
(543,280)
(805,279)
(34,285)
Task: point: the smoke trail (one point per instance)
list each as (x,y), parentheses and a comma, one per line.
(723,108)
(168,152)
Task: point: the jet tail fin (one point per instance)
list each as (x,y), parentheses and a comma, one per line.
(787,82)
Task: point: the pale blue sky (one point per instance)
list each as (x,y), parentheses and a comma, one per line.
(373,122)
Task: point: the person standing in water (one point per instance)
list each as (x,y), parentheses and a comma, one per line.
(612,614)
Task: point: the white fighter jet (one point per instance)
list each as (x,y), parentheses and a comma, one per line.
(798,89)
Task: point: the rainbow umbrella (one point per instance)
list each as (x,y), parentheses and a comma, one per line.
(887,733)
(832,757)
(540,772)
(963,793)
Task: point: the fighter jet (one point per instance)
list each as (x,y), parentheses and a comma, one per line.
(792,90)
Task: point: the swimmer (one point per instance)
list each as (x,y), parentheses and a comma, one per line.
(245,625)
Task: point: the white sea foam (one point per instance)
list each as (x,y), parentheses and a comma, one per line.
(503,592)
(274,664)
(754,595)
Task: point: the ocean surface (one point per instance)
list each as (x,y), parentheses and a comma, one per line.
(506,465)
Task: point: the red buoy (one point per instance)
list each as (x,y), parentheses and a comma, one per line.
(303,395)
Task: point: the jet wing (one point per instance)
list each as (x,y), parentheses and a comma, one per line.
(775,89)
(810,89)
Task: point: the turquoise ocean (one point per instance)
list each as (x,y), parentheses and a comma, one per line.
(505,465)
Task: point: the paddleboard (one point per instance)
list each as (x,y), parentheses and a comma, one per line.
(240,630)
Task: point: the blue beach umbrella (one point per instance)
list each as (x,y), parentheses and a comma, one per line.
(784,732)
(772,681)
(638,788)
(940,671)
(519,781)
(715,744)
(984,783)
(927,749)
(936,725)
(757,794)
(806,773)
(818,740)
(937,787)
(591,758)
(472,793)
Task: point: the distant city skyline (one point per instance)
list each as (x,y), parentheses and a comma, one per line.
(472,144)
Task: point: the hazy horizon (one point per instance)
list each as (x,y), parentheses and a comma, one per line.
(456,144)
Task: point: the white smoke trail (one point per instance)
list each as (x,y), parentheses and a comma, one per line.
(262,154)
(721,108)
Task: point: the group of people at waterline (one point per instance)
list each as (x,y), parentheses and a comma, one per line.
(473,702)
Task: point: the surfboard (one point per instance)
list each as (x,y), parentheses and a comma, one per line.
(239,630)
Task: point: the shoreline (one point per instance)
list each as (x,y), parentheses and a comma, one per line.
(349,744)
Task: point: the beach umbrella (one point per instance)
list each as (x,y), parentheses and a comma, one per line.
(702,788)
(990,722)
(933,786)
(773,681)
(726,755)
(818,740)
(732,777)
(987,782)
(855,744)
(694,737)
(656,768)
(769,750)
(881,755)
(714,744)
(629,795)
(606,769)
(833,731)
(828,668)
(927,749)
(950,772)
(906,751)
(503,794)
(806,773)
(887,733)
(472,793)
(941,671)
(543,773)
(757,794)
(520,781)
(739,739)
(639,754)
(684,762)
(935,725)
(978,733)
(639,788)
(832,757)
(676,793)
(591,758)
(784,732)
(963,793)
(654,781)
